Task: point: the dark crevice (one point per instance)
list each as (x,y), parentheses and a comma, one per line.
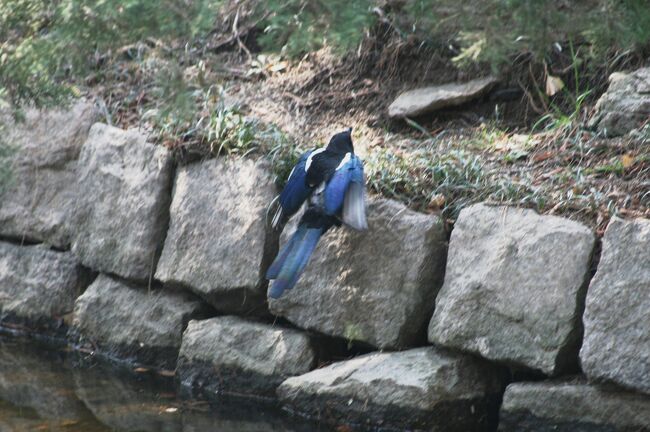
(28,241)
(569,356)
(165,219)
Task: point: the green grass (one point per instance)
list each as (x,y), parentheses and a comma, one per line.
(430,179)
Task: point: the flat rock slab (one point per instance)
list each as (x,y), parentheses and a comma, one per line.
(616,344)
(42,192)
(573,406)
(420,101)
(513,287)
(216,240)
(38,287)
(231,355)
(132,324)
(625,105)
(419,388)
(377,287)
(122,211)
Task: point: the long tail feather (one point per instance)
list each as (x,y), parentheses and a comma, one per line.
(278,262)
(296,261)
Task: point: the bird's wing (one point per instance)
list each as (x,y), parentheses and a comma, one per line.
(346,192)
(295,192)
(334,193)
(354,203)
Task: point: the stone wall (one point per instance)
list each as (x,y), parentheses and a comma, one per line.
(161,265)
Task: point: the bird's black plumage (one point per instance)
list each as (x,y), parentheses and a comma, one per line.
(314,169)
(331,180)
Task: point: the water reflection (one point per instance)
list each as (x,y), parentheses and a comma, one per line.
(47,390)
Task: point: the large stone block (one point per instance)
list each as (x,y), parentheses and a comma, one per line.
(133,324)
(626,103)
(572,406)
(38,287)
(514,284)
(216,240)
(122,209)
(423,388)
(616,344)
(42,192)
(378,286)
(232,355)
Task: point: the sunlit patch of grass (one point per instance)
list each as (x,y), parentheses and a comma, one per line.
(427,179)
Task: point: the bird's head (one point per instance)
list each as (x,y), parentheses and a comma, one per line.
(341,142)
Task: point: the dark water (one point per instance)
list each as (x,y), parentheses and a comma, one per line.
(44,389)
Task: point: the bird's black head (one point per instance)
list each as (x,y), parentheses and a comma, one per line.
(341,142)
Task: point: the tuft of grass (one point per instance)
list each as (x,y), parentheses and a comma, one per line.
(428,179)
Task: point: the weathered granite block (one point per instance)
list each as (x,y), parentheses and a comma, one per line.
(572,406)
(378,286)
(616,344)
(216,240)
(42,191)
(122,209)
(626,103)
(133,324)
(423,388)
(514,284)
(38,287)
(232,355)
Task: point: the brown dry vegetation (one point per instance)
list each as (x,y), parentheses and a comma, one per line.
(493,149)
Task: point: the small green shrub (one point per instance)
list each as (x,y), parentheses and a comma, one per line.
(493,31)
(46,44)
(298,26)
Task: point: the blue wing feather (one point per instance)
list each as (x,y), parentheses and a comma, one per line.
(337,186)
(296,260)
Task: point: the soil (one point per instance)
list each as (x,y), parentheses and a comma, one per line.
(313,97)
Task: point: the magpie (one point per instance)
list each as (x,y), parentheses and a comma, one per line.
(332,183)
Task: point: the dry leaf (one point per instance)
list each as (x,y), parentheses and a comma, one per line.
(140,370)
(553,84)
(627,160)
(540,157)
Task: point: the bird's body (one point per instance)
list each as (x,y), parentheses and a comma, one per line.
(331,181)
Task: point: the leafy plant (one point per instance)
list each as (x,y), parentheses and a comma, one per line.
(47,43)
(556,119)
(298,26)
(494,31)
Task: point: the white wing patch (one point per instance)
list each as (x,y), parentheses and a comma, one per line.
(345,160)
(309,158)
